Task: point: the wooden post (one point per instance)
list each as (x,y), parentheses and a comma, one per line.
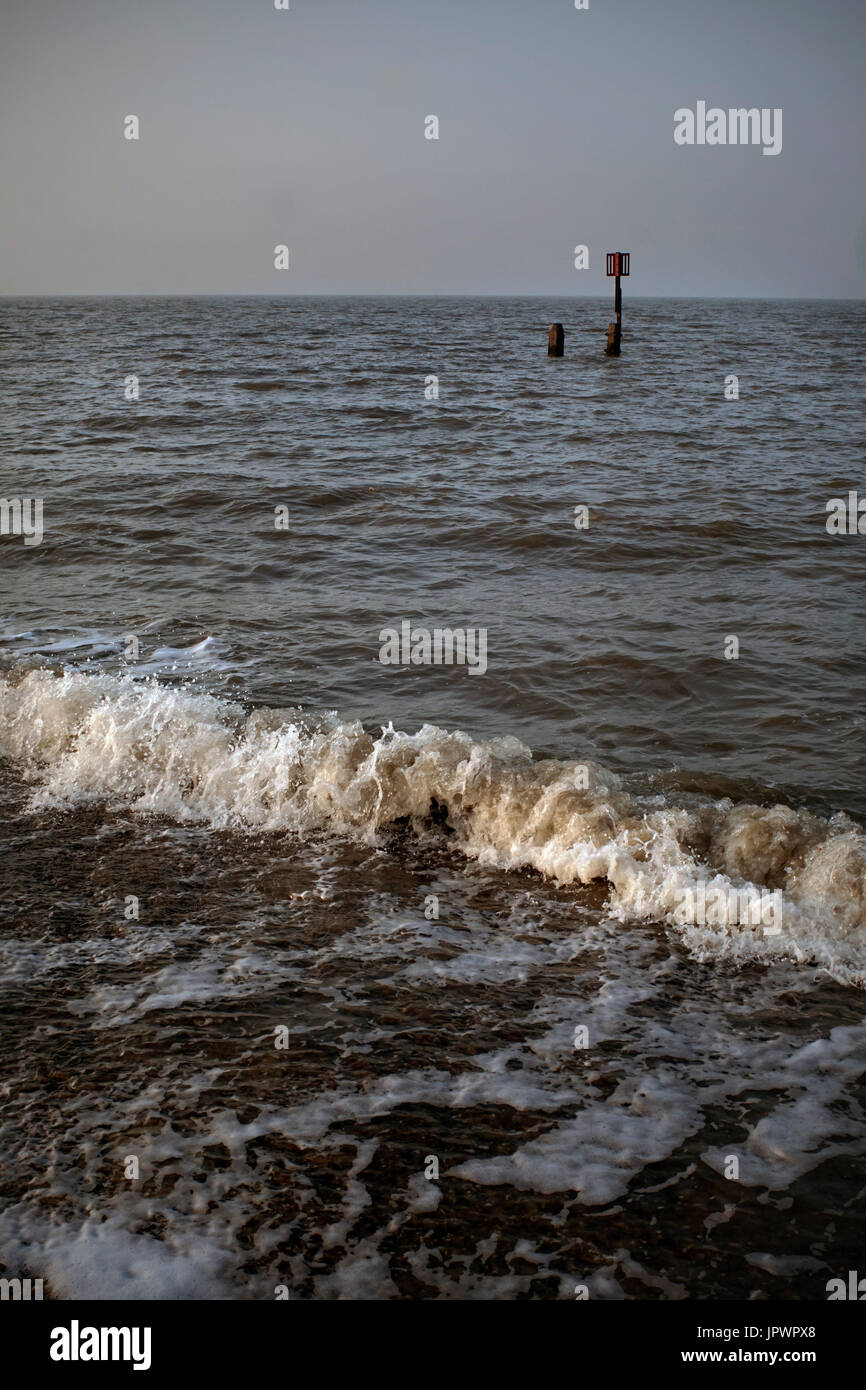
(556,341)
(618,263)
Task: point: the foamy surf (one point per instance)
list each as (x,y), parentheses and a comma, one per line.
(193,757)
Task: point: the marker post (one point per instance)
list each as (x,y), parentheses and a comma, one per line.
(618,263)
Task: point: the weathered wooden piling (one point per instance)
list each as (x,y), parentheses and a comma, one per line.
(618,263)
(556,341)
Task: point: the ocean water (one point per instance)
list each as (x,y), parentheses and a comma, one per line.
(359,980)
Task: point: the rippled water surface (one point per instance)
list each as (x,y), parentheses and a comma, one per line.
(514,1063)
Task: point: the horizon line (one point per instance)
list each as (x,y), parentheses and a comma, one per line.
(410,294)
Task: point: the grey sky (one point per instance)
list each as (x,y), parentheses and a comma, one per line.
(306,127)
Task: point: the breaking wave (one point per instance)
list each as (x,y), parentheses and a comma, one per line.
(189,756)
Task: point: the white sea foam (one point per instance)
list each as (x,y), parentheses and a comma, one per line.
(195,757)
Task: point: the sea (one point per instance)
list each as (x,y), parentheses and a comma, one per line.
(333,974)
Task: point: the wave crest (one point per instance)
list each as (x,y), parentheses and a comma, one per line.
(195,757)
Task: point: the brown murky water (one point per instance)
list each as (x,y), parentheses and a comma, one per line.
(512,1067)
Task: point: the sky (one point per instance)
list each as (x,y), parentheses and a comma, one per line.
(305,127)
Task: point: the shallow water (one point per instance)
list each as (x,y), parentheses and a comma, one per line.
(283,850)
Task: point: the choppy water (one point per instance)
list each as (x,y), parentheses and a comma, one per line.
(286,809)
